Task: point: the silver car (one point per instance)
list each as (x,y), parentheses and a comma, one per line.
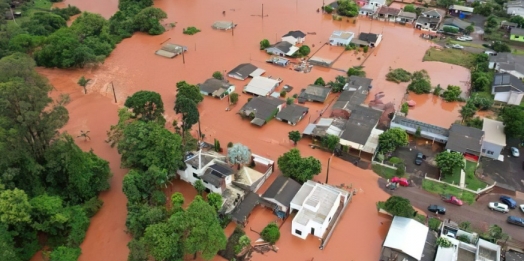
(498,207)
(457,46)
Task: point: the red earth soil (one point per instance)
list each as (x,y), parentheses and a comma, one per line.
(133,66)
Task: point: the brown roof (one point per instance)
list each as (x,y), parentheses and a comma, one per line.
(384,10)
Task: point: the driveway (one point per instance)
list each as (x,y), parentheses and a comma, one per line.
(508,172)
(477,214)
(409,153)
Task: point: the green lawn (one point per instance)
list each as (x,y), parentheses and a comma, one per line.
(472,182)
(452,56)
(41,4)
(469,44)
(384,172)
(439,188)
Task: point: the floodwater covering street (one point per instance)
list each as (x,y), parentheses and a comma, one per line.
(133,66)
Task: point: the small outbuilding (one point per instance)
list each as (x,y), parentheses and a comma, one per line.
(406,239)
(494,139)
(281,193)
(294,37)
(245,70)
(261,109)
(223,25)
(216,88)
(292,114)
(170,50)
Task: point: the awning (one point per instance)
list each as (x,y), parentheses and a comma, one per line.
(257,72)
(259,122)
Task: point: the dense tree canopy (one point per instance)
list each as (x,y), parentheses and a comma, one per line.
(391,139)
(300,169)
(513,118)
(399,206)
(147,106)
(449,161)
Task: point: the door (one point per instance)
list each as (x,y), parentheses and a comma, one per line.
(312,231)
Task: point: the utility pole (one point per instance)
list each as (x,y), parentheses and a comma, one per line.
(262,11)
(114,93)
(329,162)
(183,57)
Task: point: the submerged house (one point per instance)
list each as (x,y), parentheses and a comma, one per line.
(294,37)
(216,88)
(261,109)
(281,193)
(292,113)
(314,93)
(283,48)
(170,50)
(465,140)
(245,70)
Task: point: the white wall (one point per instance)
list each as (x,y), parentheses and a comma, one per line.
(490,147)
(187,176)
(303,230)
(501,96)
(515,11)
(290,39)
(274,51)
(320,229)
(379,39)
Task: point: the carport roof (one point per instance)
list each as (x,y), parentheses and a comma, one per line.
(464,139)
(494,132)
(408,236)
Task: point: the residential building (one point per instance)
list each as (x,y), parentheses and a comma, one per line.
(360,133)
(241,213)
(428,20)
(408,240)
(460,11)
(507,89)
(470,248)
(372,40)
(317,206)
(292,114)
(406,17)
(352,96)
(281,192)
(261,86)
(294,37)
(341,38)
(325,126)
(494,139)
(371,7)
(319,61)
(245,70)
(515,7)
(283,48)
(516,34)
(427,131)
(261,109)
(223,25)
(509,63)
(277,60)
(197,164)
(454,23)
(465,140)
(508,25)
(170,50)
(216,88)
(386,13)
(314,93)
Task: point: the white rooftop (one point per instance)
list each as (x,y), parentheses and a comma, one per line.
(408,236)
(448,253)
(494,132)
(261,86)
(372,142)
(341,35)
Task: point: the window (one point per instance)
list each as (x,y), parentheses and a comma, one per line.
(195,176)
(483,150)
(329,219)
(206,182)
(490,152)
(298,232)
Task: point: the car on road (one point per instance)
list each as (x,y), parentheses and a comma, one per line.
(508,201)
(498,207)
(490,52)
(462,39)
(451,199)
(522,208)
(437,209)
(419,159)
(457,46)
(515,152)
(515,221)
(467,37)
(401,181)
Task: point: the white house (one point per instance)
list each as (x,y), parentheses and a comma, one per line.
(316,205)
(427,131)
(508,63)
(294,37)
(515,7)
(210,167)
(494,138)
(261,86)
(428,20)
(407,238)
(507,89)
(283,48)
(216,88)
(341,38)
(475,249)
(371,7)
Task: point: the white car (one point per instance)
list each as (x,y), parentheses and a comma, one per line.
(521,207)
(515,152)
(462,39)
(467,38)
(457,46)
(498,207)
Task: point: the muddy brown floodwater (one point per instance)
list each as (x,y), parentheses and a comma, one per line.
(133,66)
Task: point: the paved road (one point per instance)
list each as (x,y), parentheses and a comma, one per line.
(478,214)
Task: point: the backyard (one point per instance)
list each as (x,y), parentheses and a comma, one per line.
(440,188)
(452,56)
(384,171)
(37,7)
(472,182)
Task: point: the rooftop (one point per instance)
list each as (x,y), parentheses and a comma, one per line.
(494,132)
(247,205)
(432,12)
(455,22)
(360,124)
(368,37)
(506,79)
(461,8)
(211,85)
(517,31)
(342,35)
(223,25)
(199,159)
(261,86)
(464,139)
(248,176)
(315,93)
(487,251)
(385,10)
(295,34)
(243,70)
(407,236)
(232,196)
(424,127)
(283,46)
(282,190)
(262,107)
(407,15)
(292,113)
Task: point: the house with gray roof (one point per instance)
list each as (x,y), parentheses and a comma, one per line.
(359,132)
(465,140)
(283,48)
(494,139)
(507,89)
(292,113)
(261,109)
(428,20)
(281,192)
(456,23)
(406,17)
(427,131)
(314,93)
(515,7)
(352,96)
(294,37)
(216,88)
(245,70)
(386,13)
(509,63)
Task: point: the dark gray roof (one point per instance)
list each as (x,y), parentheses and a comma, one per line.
(360,124)
(430,248)
(243,70)
(212,84)
(284,46)
(262,106)
(292,113)
(422,20)
(221,169)
(334,4)
(517,31)
(211,178)
(385,10)
(368,37)
(432,12)
(507,80)
(407,14)
(247,205)
(315,93)
(423,126)
(357,81)
(456,22)
(296,34)
(510,24)
(282,190)
(349,99)
(514,256)
(464,139)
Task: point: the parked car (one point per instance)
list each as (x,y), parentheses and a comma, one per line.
(515,152)
(462,39)
(419,159)
(467,37)
(508,201)
(401,181)
(451,199)
(521,207)
(498,207)
(490,52)
(515,221)
(437,209)
(457,46)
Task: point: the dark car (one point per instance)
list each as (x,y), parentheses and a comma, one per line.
(437,209)
(419,159)
(515,221)
(508,201)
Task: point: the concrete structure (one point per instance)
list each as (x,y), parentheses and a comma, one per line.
(465,140)
(223,25)
(210,167)
(281,193)
(428,20)
(474,249)
(427,131)
(507,89)
(170,50)
(359,133)
(373,40)
(454,23)
(406,17)
(386,13)
(261,86)
(314,93)
(341,38)
(407,237)
(294,37)
(509,63)
(283,48)
(261,109)
(460,11)
(316,205)
(516,34)
(245,70)
(515,7)
(216,88)
(494,139)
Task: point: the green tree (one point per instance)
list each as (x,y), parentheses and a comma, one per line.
(270,233)
(469,29)
(304,50)
(177,200)
(147,106)
(444,3)
(238,154)
(418,132)
(410,8)
(116,132)
(300,169)
(44,23)
(233,98)
(148,20)
(189,91)
(83,83)
(330,142)
(356,71)
(137,251)
(328,9)
(347,8)
(391,139)
(495,233)
(199,186)
(14,207)
(480,81)
(218,75)
(467,111)
(448,161)
(24,43)
(215,200)
(147,144)
(404,108)
(189,111)
(7,245)
(452,93)
(47,214)
(513,119)
(63,253)
(264,44)
(338,84)
(139,186)
(163,242)
(319,81)
(141,216)
(243,242)
(294,136)
(420,86)
(399,206)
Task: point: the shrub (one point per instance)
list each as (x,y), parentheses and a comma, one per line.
(328,9)
(398,75)
(434,224)
(405,108)
(191,30)
(289,101)
(365,49)
(233,98)
(420,86)
(270,233)
(283,94)
(451,30)
(395,160)
(437,90)
(443,242)
(452,93)
(401,169)
(92,206)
